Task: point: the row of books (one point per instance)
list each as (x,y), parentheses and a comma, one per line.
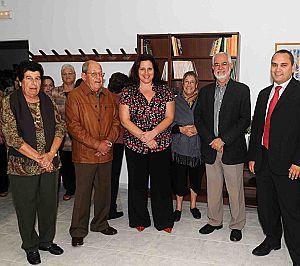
(146,47)
(222,44)
(179,68)
(233,71)
(176,45)
(225,44)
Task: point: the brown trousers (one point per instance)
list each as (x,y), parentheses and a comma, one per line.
(89,176)
(233,175)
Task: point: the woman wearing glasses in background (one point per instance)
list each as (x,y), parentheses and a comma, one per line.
(186,147)
(146,112)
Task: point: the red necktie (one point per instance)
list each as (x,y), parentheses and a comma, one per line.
(272,105)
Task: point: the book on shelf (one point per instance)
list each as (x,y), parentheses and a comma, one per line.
(164,75)
(234,45)
(181,67)
(225,44)
(233,71)
(142,45)
(174,46)
(180,50)
(146,47)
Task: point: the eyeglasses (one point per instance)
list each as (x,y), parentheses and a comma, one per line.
(223,64)
(96,74)
(68,74)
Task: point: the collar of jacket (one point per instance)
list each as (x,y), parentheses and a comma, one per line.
(86,89)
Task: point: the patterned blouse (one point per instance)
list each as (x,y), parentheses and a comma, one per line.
(60,97)
(20,165)
(146,116)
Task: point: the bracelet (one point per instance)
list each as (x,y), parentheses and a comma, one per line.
(53,153)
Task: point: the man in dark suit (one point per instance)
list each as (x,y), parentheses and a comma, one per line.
(274,156)
(222,115)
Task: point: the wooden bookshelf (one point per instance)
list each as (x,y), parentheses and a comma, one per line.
(196,47)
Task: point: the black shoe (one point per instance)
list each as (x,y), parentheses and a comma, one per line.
(177,215)
(265,248)
(33,257)
(77,241)
(53,249)
(115,215)
(207,229)
(196,213)
(235,235)
(109,231)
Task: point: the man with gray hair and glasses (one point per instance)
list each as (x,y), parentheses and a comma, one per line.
(93,122)
(222,115)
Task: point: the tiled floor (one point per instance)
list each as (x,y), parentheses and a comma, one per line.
(184,246)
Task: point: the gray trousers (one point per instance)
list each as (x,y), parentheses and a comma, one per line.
(35,196)
(233,175)
(89,176)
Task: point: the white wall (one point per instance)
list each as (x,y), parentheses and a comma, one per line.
(72,24)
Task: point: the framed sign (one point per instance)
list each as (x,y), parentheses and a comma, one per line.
(294,48)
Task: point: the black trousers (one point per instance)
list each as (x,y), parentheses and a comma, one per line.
(118,151)
(157,165)
(35,196)
(3,169)
(67,172)
(279,197)
(185,176)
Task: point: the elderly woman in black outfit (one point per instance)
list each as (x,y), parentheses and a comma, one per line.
(186,147)
(146,112)
(33,131)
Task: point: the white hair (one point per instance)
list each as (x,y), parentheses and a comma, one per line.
(67,66)
(228,57)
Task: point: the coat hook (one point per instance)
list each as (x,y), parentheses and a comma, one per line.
(82,52)
(123,52)
(96,52)
(42,53)
(54,52)
(109,52)
(67,52)
(30,53)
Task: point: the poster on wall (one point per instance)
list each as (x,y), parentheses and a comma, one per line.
(294,48)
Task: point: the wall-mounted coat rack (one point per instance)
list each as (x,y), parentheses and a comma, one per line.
(82,57)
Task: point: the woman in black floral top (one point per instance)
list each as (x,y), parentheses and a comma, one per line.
(146,112)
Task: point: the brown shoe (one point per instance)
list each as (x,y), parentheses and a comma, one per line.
(109,231)
(66,197)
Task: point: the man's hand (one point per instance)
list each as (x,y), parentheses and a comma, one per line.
(217,144)
(251,166)
(103,148)
(294,172)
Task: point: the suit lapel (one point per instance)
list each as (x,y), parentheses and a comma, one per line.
(226,97)
(211,97)
(287,93)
